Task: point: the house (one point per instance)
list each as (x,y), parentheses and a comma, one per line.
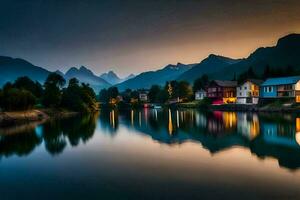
(283,87)
(200,94)
(143,95)
(248,91)
(222,92)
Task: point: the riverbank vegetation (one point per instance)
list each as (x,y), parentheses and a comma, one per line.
(25,94)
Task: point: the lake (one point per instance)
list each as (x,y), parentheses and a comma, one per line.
(153,154)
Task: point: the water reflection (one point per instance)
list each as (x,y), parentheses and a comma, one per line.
(55,134)
(265,135)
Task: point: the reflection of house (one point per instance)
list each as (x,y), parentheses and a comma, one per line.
(200,94)
(248,92)
(143,95)
(248,125)
(279,134)
(222,91)
(285,87)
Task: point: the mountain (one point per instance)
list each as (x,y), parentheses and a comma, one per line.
(285,53)
(130,76)
(111,77)
(87,76)
(12,68)
(147,79)
(213,63)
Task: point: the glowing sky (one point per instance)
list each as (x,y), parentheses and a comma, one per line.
(133,36)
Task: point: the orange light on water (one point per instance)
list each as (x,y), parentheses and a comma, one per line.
(170,125)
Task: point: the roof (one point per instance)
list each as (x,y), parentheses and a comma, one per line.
(226,83)
(254,81)
(281,81)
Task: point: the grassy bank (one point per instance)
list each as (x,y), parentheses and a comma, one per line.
(35,115)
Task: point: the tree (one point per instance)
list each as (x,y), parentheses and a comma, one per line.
(184,90)
(52,95)
(55,79)
(79,98)
(162,96)
(200,83)
(88,96)
(113,92)
(267,72)
(127,95)
(153,93)
(249,74)
(16,99)
(103,96)
(27,84)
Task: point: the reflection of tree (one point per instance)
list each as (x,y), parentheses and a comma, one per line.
(75,129)
(19,144)
(54,140)
(79,129)
(55,134)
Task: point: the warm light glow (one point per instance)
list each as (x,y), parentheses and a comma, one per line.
(112,118)
(229,119)
(229,100)
(170,125)
(298,98)
(254,128)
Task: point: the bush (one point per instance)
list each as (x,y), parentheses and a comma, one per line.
(16,99)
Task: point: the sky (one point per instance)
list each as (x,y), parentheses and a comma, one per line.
(132,36)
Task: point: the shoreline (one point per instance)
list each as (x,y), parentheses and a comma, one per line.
(244,108)
(36,115)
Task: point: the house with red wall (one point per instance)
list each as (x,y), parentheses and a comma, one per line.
(222,92)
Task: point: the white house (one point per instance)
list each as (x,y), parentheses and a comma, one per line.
(200,94)
(143,95)
(248,92)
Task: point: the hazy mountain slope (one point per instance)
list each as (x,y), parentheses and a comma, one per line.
(130,76)
(111,77)
(213,63)
(87,76)
(286,52)
(12,68)
(146,79)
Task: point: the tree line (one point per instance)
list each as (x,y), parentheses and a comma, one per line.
(157,94)
(24,94)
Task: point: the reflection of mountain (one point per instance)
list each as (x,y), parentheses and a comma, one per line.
(56,135)
(218,131)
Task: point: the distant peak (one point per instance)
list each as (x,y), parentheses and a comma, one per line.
(72,69)
(83,68)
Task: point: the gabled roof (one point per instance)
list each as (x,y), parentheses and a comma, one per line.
(281,81)
(254,81)
(226,83)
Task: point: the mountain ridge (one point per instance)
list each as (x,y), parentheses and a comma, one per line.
(158,77)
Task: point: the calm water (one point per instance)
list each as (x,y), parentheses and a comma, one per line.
(153,154)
